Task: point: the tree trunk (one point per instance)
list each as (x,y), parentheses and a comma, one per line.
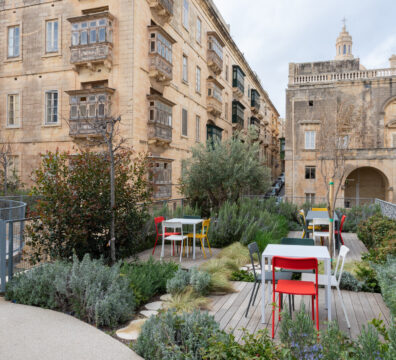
(112,205)
(331,216)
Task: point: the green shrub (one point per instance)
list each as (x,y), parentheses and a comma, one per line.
(368,277)
(356,215)
(386,275)
(148,278)
(198,280)
(74,208)
(242,221)
(173,336)
(88,289)
(223,346)
(242,275)
(349,282)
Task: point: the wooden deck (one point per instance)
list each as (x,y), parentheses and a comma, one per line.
(229,310)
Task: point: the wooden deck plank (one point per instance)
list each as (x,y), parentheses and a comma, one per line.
(384,309)
(357,309)
(370,314)
(377,313)
(355,330)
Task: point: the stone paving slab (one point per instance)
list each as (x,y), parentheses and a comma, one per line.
(32,333)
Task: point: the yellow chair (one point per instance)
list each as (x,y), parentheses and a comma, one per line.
(202,236)
(319,209)
(309,228)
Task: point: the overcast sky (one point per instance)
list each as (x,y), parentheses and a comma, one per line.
(272,33)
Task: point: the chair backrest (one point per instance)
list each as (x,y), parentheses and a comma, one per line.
(341,257)
(295,264)
(297,241)
(342,222)
(316,222)
(157,221)
(205,226)
(319,209)
(173,225)
(191,217)
(254,249)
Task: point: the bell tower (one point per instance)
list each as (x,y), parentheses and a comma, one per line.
(344,44)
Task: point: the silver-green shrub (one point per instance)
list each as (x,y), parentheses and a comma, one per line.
(179,282)
(200,281)
(170,336)
(386,275)
(87,289)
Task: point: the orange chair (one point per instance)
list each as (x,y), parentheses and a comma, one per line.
(159,220)
(295,287)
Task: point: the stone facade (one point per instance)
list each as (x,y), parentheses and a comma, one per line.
(169,68)
(314,92)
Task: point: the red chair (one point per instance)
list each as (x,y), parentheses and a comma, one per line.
(339,232)
(295,287)
(159,220)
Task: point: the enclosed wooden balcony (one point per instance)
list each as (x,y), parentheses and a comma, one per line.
(215,53)
(238,114)
(214,101)
(160,54)
(255,101)
(89,110)
(161,174)
(92,40)
(162,8)
(160,120)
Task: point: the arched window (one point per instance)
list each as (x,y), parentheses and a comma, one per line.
(349,49)
(344,50)
(339,50)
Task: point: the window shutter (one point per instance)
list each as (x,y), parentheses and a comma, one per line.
(184,122)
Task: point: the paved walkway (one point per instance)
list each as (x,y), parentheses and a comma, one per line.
(32,333)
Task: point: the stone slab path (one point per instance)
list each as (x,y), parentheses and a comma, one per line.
(32,333)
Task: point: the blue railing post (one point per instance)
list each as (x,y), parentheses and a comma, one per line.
(10,249)
(2,255)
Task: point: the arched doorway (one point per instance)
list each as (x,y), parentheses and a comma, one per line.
(365,184)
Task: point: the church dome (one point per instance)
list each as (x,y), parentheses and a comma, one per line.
(344,45)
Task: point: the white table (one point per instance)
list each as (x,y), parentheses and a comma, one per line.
(297,251)
(192,222)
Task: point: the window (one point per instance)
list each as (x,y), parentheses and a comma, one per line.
(90,105)
(343,142)
(197,128)
(213,133)
(349,49)
(51,107)
(185,69)
(215,92)
(160,113)
(238,78)
(13,41)
(310,140)
(238,113)
(198,35)
(162,179)
(198,80)
(13,168)
(215,46)
(13,110)
(185,13)
(310,102)
(310,198)
(310,172)
(344,50)
(160,45)
(51,36)
(91,32)
(394,140)
(184,122)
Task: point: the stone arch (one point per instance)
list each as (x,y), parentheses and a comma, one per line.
(365,183)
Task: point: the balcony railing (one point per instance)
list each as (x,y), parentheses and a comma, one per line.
(214,106)
(158,132)
(351,75)
(91,53)
(255,105)
(85,128)
(164,7)
(160,69)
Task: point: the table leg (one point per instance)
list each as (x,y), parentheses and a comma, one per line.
(328,289)
(263,299)
(194,242)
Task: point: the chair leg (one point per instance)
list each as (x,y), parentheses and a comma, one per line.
(313,309)
(293,303)
(181,250)
(280,305)
(290,306)
(273,312)
(202,248)
(258,286)
(155,244)
(207,240)
(317,312)
(343,307)
(250,300)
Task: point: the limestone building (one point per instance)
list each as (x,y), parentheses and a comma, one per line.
(169,68)
(316,90)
